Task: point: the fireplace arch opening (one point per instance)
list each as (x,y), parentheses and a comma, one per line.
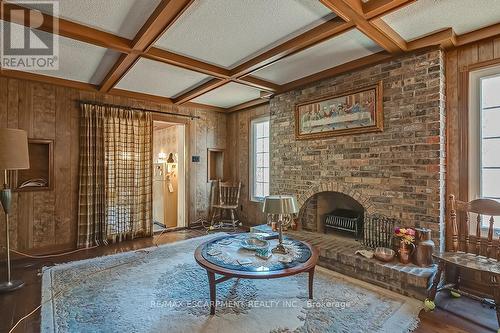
(332,212)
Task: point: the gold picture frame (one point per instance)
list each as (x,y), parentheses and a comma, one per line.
(352,112)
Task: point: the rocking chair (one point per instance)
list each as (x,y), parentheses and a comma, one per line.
(468,253)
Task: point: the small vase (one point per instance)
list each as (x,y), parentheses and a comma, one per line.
(405,251)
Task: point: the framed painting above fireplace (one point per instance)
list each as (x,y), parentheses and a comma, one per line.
(352,112)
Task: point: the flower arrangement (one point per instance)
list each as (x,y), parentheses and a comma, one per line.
(407,235)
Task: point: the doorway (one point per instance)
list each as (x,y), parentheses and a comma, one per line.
(168,176)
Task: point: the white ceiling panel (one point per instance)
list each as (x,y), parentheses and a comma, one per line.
(333,52)
(77,61)
(427,16)
(228,95)
(156,78)
(123,17)
(227,32)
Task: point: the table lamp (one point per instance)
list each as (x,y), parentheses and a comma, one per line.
(280,209)
(13,156)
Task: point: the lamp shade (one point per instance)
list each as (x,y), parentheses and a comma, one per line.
(13,149)
(280,204)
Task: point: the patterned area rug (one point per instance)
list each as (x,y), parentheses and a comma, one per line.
(162,289)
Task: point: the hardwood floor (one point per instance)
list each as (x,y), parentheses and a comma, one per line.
(16,304)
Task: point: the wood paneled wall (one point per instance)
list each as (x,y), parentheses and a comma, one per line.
(238,149)
(46,221)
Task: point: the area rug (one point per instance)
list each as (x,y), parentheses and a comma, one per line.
(162,289)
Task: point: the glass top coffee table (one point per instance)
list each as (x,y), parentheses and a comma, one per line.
(227,257)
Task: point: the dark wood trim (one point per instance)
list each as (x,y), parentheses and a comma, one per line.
(204,106)
(479,34)
(200,90)
(345,11)
(160,99)
(119,69)
(483,64)
(68,29)
(187,63)
(308,39)
(162,18)
(337,70)
(255,82)
(165,14)
(14,74)
(249,104)
(463,125)
(445,38)
(374,9)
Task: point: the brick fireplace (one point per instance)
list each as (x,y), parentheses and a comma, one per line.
(398,173)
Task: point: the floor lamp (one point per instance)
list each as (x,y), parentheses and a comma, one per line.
(13,156)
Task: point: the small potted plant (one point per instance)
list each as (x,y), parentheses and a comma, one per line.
(406,237)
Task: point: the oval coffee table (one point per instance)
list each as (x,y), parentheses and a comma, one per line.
(225,263)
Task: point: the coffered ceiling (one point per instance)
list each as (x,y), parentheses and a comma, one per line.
(227,53)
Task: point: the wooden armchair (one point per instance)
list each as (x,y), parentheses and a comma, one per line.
(227,201)
(468,251)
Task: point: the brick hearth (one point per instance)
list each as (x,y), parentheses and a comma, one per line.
(337,253)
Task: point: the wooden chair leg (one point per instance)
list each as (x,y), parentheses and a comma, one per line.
(495,284)
(435,283)
(233,219)
(212,218)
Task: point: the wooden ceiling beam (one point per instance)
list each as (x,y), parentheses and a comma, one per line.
(200,90)
(310,38)
(187,63)
(337,70)
(20,75)
(29,76)
(345,11)
(445,38)
(376,8)
(12,13)
(246,105)
(483,33)
(255,82)
(165,14)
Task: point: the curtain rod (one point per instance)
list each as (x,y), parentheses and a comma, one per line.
(139,109)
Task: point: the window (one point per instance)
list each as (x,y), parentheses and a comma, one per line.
(484,138)
(259,159)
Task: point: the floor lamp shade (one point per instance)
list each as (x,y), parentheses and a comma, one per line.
(13,149)
(13,156)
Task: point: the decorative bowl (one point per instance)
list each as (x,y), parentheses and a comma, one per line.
(254,243)
(384,254)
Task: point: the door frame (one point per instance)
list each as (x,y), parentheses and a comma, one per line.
(185,203)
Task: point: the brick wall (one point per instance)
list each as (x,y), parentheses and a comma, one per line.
(398,172)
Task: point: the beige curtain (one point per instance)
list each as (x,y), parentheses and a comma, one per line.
(115,175)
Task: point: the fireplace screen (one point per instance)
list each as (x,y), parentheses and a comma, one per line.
(378,230)
(345,220)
